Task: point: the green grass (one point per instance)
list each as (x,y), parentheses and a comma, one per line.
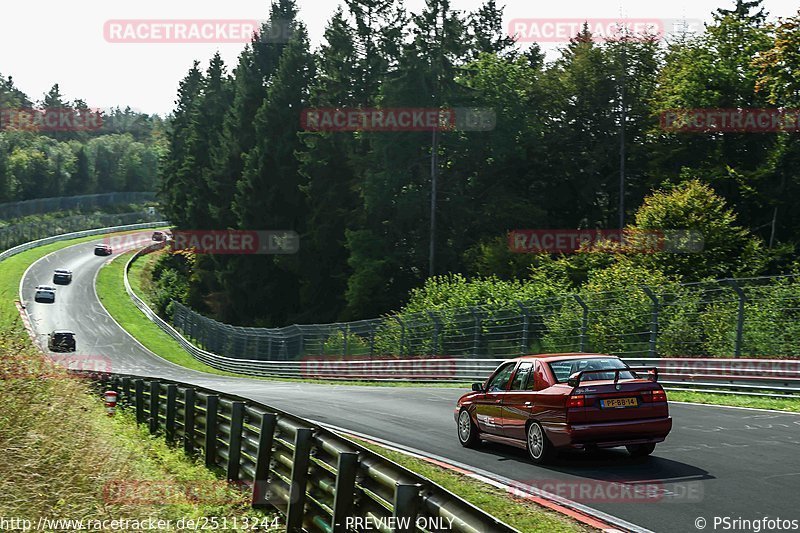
(521,514)
(111,291)
(758,402)
(63,457)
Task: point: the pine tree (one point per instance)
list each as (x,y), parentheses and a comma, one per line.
(175,191)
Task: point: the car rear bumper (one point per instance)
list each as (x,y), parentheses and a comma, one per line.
(609,434)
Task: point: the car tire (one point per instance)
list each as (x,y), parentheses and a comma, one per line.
(467,431)
(641,450)
(540,449)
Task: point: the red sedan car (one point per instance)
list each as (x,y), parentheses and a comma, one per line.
(546,402)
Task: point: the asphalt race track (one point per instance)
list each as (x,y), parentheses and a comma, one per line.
(716,462)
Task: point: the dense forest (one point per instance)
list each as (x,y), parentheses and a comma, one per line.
(119,151)
(361,201)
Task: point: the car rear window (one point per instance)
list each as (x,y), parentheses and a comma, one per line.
(562,370)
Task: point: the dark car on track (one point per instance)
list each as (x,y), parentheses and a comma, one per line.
(61,341)
(544,403)
(62,276)
(102,249)
(159,236)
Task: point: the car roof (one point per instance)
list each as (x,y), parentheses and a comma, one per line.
(63,331)
(552,357)
(61,270)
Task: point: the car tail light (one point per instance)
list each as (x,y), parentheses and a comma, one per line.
(576,401)
(654,396)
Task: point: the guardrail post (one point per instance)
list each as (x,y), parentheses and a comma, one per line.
(126,391)
(737,348)
(188,420)
(526,326)
(139,400)
(476,335)
(343,329)
(402,333)
(212,408)
(406,506)
(435,339)
(372,329)
(235,444)
(297,490)
(653,351)
(172,397)
(266,435)
(155,391)
(343,500)
(584,322)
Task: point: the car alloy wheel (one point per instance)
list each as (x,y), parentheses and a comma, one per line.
(539,448)
(467,433)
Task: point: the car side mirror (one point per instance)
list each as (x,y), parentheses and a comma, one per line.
(573,381)
(477,387)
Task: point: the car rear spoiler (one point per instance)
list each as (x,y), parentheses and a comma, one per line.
(575,379)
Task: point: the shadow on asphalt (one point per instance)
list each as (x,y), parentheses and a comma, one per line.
(613,464)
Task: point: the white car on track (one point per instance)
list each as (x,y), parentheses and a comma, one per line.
(45,293)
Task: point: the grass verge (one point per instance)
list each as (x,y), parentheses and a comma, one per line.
(111,291)
(64,458)
(519,513)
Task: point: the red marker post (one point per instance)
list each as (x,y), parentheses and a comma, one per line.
(111,402)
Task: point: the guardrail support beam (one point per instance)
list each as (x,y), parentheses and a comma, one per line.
(188,420)
(297,490)
(266,435)
(406,506)
(653,349)
(235,444)
(737,347)
(172,397)
(155,391)
(139,400)
(212,408)
(584,322)
(344,497)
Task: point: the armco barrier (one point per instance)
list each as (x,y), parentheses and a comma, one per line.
(753,377)
(77,235)
(318,480)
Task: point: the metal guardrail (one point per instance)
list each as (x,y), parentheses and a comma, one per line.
(315,478)
(755,377)
(77,235)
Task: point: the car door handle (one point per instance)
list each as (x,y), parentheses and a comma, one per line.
(528,404)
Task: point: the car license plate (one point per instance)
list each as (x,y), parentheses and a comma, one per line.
(619,403)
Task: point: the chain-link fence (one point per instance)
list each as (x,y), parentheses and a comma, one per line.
(17,234)
(90,201)
(754,317)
